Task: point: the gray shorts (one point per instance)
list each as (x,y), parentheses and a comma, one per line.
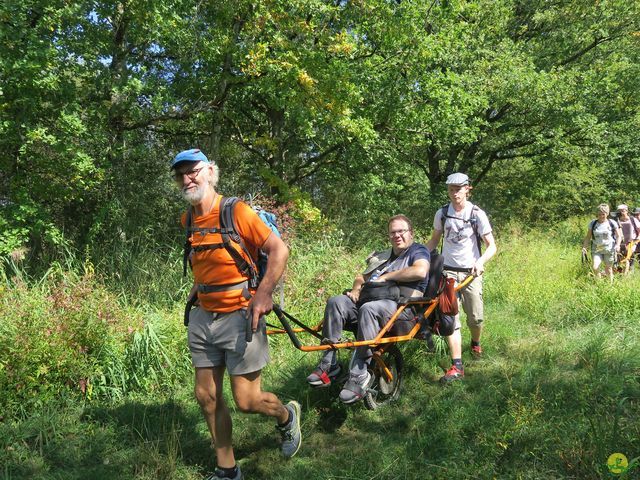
(469,298)
(217,339)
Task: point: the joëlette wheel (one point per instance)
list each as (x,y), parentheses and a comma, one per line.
(381,389)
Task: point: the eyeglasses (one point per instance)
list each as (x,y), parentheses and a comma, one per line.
(393,233)
(191,174)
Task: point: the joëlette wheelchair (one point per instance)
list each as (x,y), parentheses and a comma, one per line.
(387,363)
(624,258)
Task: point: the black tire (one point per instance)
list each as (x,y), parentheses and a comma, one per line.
(382,391)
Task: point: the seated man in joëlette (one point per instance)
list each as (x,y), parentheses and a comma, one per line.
(404,268)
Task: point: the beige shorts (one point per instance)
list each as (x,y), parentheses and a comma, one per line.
(608,258)
(217,339)
(469,299)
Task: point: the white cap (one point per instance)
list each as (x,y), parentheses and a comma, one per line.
(458,179)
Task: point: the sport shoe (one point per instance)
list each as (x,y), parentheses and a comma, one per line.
(291,434)
(454,373)
(355,388)
(323,378)
(476,351)
(218,475)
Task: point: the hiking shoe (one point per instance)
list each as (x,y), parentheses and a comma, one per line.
(454,373)
(291,434)
(218,475)
(476,351)
(355,388)
(323,378)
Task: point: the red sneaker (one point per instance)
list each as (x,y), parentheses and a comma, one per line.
(322,378)
(454,373)
(476,351)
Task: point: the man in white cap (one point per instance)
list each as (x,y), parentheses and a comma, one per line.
(463,227)
(229,305)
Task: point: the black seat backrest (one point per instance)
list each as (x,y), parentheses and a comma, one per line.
(401,327)
(435,274)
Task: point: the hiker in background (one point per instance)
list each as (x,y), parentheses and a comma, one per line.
(630,231)
(464,227)
(636,216)
(219,336)
(401,271)
(604,235)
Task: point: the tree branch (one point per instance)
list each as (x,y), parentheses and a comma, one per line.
(313,164)
(242,142)
(596,41)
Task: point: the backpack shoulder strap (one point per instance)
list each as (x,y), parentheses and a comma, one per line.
(473,219)
(474,211)
(227,219)
(228,231)
(187,241)
(443,217)
(614,230)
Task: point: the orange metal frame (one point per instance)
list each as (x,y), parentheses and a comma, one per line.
(380,338)
(630,251)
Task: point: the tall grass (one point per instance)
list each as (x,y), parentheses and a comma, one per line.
(145,274)
(68,334)
(556,393)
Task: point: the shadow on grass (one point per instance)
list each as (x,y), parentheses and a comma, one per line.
(172,428)
(524,411)
(133,440)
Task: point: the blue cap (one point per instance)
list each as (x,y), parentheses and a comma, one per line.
(458,179)
(192,155)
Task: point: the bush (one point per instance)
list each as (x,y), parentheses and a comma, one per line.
(68,335)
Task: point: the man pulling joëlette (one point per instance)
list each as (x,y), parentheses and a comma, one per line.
(227,307)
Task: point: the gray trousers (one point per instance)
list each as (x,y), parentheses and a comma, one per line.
(341,313)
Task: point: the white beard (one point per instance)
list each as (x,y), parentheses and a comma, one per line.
(195,196)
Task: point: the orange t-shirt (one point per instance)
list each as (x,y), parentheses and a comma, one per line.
(216,266)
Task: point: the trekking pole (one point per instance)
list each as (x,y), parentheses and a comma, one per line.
(586,261)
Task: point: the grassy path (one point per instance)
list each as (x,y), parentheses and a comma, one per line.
(556,393)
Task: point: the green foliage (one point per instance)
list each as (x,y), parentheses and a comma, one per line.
(47,345)
(68,335)
(310,221)
(364,107)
